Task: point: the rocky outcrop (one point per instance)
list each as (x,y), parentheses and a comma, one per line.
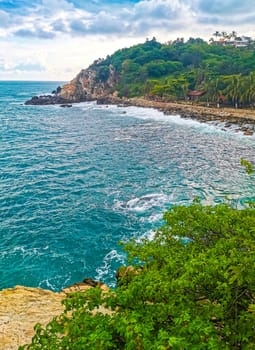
(125,274)
(46,100)
(88,85)
(22,307)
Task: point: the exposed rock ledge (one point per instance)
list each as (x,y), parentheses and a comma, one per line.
(22,307)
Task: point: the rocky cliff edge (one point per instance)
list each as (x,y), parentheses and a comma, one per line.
(88,85)
(22,307)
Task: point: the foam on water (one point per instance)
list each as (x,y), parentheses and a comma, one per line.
(146,202)
(159,116)
(107,271)
(75,181)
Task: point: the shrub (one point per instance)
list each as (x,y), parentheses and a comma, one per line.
(195,290)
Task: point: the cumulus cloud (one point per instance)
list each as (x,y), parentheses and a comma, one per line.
(228,15)
(59,25)
(4,19)
(108,23)
(57,35)
(128,19)
(29,67)
(22,65)
(131,17)
(159,9)
(226,7)
(35,33)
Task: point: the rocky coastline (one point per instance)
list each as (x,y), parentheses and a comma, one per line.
(21,308)
(88,86)
(243,119)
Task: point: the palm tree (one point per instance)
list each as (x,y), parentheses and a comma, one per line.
(248,97)
(233,34)
(234,89)
(216,34)
(213,91)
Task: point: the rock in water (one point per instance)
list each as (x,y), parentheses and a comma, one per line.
(88,85)
(66,105)
(45,100)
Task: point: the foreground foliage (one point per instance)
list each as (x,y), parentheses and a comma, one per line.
(192,287)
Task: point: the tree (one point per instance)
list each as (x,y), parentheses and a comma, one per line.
(224,34)
(213,88)
(248,96)
(191,287)
(233,34)
(234,89)
(217,34)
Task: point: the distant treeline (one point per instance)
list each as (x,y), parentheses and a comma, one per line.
(170,71)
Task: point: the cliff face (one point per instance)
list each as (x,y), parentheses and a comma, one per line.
(87,86)
(90,84)
(22,307)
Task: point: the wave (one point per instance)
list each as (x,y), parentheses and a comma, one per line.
(106,272)
(144,203)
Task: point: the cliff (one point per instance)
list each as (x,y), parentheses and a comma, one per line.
(90,84)
(22,307)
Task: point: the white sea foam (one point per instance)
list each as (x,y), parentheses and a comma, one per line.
(23,251)
(159,116)
(146,202)
(106,269)
(147,114)
(147,235)
(53,283)
(153,218)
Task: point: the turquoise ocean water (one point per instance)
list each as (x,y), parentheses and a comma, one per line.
(75,181)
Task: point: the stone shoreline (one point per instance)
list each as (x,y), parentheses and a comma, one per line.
(244,119)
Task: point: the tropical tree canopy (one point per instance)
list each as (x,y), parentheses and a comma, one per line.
(191,287)
(196,65)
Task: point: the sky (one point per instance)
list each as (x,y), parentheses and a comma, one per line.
(55,39)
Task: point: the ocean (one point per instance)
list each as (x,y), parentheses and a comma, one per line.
(76,181)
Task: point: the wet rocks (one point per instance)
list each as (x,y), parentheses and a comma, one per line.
(66,105)
(46,100)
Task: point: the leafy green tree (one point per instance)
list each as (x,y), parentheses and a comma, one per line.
(103,73)
(191,287)
(213,88)
(199,63)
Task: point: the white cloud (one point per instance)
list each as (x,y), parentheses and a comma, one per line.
(63,39)
(226,7)
(4,19)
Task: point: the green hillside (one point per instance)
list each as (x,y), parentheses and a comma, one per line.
(169,71)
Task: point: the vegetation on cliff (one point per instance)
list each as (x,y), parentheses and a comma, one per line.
(169,71)
(191,287)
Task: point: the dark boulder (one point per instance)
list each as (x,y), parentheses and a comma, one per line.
(46,100)
(66,105)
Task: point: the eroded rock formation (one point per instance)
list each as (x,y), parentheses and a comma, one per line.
(22,307)
(88,85)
